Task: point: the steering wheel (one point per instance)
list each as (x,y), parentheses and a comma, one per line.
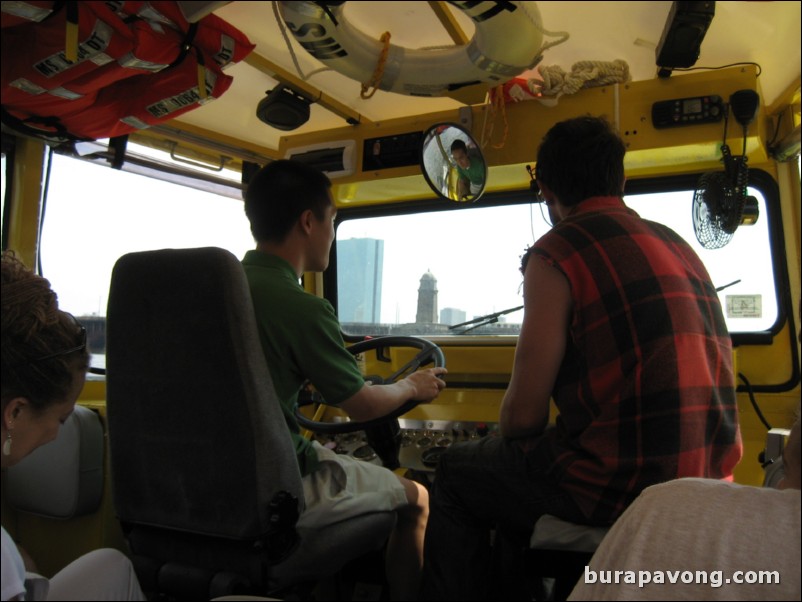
(383,433)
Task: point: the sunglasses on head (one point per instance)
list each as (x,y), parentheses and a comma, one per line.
(79,347)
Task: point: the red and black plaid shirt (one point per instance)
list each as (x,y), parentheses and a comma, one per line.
(646,391)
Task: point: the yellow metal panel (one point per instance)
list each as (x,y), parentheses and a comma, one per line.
(313,283)
(650,151)
(473,405)
(768,364)
(779,410)
(26,199)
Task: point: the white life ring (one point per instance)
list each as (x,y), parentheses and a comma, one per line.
(508,41)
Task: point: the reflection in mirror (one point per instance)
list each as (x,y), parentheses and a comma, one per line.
(452,163)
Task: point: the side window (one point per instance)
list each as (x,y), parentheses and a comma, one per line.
(94,215)
(423,273)
(742,270)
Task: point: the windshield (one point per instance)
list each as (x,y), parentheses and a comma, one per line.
(424,273)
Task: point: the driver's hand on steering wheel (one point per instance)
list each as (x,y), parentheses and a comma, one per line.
(427,383)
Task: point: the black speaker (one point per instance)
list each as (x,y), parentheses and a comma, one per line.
(684,31)
(283,109)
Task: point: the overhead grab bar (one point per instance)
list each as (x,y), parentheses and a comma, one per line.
(195,163)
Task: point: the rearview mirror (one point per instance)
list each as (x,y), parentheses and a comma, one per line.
(452,163)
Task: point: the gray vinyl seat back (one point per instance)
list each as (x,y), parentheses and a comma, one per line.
(62,479)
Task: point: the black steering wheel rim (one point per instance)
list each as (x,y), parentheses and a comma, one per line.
(429,353)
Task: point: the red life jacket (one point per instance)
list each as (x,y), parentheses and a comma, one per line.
(18,13)
(135,66)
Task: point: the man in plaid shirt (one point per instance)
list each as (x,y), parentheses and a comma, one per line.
(624,330)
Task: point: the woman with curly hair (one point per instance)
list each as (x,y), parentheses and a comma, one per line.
(44,364)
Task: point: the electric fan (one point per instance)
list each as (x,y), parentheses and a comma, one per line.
(720,202)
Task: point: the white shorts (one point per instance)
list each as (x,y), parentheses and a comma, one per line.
(343,487)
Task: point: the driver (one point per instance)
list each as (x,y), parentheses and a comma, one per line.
(291,212)
(470,167)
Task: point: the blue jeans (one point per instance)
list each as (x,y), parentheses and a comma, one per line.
(481,486)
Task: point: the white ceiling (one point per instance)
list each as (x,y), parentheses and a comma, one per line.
(767,33)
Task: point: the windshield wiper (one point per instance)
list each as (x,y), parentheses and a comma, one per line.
(484,320)
(493,318)
(733,283)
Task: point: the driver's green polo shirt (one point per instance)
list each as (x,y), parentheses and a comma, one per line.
(301,339)
(475,173)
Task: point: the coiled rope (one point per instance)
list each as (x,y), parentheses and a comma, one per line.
(554,81)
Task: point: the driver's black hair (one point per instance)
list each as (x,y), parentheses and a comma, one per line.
(459,145)
(279,193)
